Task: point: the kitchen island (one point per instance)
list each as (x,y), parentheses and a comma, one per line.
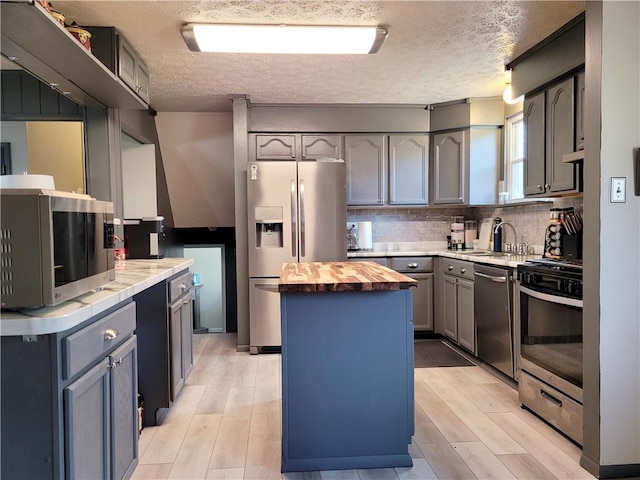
(347,366)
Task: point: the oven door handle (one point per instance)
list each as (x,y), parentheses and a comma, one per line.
(551,298)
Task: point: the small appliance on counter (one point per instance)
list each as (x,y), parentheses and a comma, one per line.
(142,237)
(352,237)
(457,232)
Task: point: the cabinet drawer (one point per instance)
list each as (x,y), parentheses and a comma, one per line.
(379,260)
(179,285)
(82,348)
(458,268)
(412,264)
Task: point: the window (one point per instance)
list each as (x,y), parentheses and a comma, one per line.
(514,158)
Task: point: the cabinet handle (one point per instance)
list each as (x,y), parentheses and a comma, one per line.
(412,265)
(450,267)
(547,186)
(539,187)
(115,362)
(462,270)
(111,333)
(183,286)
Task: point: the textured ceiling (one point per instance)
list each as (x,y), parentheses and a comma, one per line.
(436,51)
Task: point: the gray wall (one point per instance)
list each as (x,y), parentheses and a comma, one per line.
(612,259)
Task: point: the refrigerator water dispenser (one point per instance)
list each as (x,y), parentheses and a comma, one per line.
(269,227)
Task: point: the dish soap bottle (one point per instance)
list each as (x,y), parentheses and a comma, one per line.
(497,235)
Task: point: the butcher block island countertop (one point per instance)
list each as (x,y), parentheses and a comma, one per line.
(340,277)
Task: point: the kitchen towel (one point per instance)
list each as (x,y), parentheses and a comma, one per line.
(365,236)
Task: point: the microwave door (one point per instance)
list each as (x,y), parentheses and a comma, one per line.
(272,214)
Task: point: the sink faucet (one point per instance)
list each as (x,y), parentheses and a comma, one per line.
(501,224)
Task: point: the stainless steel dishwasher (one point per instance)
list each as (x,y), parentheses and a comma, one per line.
(494,316)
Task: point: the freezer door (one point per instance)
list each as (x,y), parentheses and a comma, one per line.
(322,211)
(272,212)
(264,314)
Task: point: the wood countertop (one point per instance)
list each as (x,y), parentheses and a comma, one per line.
(341,277)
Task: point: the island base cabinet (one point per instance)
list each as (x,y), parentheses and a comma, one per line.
(347,379)
(101,418)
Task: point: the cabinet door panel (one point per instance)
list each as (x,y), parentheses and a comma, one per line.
(366,160)
(449,162)
(580,91)
(423,301)
(275,147)
(534,144)
(86,413)
(175,327)
(142,81)
(466,318)
(314,146)
(186,317)
(450,305)
(124,418)
(408,169)
(560,136)
(126,63)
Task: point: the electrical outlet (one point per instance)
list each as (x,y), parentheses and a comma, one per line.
(618,192)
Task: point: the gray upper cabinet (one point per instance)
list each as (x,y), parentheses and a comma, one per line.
(50,53)
(534,163)
(294,147)
(450,154)
(580,91)
(132,70)
(560,136)
(366,157)
(550,119)
(319,146)
(274,147)
(408,169)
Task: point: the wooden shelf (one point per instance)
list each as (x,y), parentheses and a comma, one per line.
(34,40)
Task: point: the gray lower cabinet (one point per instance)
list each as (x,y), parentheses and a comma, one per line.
(457,305)
(100,411)
(69,400)
(421,270)
(180,331)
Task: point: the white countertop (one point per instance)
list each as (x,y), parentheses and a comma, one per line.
(132,277)
(432,249)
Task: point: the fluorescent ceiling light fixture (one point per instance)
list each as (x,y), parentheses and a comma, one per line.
(229,38)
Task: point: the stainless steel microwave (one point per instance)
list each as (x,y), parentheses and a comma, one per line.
(54,246)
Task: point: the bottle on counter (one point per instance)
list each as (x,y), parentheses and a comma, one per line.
(497,235)
(470,233)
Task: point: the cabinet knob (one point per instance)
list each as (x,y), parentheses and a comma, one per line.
(183,286)
(115,362)
(412,265)
(450,267)
(462,270)
(547,186)
(539,187)
(111,333)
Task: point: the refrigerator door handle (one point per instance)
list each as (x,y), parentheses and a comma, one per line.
(302,220)
(294,216)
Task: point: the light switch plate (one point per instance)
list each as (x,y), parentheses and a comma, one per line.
(618,193)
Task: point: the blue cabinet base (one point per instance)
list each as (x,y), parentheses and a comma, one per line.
(347,380)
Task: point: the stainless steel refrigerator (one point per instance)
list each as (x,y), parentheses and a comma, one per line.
(297,212)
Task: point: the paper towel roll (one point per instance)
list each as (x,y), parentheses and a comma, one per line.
(27,181)
(365,236)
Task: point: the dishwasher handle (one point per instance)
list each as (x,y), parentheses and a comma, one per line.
(492,278)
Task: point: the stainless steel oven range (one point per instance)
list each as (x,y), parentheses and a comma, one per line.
(550,379)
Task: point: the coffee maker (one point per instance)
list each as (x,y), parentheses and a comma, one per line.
(142,237)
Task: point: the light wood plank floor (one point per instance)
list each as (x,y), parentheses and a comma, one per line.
(226,425)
